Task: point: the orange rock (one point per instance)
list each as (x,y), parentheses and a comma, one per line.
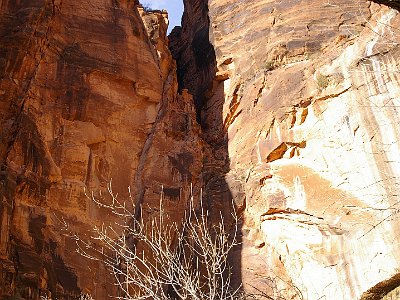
(304,128)
(88,94)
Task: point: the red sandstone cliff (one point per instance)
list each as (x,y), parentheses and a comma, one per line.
(88,93)
(297,102)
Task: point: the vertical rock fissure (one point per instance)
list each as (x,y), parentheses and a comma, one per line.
(139,182)
(24,90)
(195,56)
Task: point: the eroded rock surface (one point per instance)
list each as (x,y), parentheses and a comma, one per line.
(297,101)
(88,94)
(286,87)
(309,94)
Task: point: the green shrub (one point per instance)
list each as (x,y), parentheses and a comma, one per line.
(322,81)
(270,65)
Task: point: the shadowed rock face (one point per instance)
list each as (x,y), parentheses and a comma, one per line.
(191,48)
(88,94)
(196,71)
(391,3)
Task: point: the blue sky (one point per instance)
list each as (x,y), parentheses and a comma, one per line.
(174,8)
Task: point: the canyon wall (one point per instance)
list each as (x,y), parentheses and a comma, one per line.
(88,95)
(297,102)
(307,96)
(191,48)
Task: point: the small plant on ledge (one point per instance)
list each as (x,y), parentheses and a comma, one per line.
(269,65)
(322,81)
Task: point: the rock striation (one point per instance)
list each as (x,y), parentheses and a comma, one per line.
(306,95)
(288,108)
(88,95)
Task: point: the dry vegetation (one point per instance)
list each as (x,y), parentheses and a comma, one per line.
(161,259)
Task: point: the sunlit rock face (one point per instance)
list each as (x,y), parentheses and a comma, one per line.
(297,101)
(88,94)
(310,94)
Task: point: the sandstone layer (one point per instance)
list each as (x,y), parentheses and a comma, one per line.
(88,95)
(298,106)
(304,102)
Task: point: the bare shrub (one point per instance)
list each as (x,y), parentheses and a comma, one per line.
(162,259)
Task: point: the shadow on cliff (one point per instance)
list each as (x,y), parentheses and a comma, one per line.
(196,72)
(391,3)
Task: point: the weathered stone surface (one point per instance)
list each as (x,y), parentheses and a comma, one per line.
(318,196)
(309,110)
(297,102)
(88,94)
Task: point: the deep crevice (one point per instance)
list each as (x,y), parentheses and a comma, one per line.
(391,3)
(196,71)
(194,54)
